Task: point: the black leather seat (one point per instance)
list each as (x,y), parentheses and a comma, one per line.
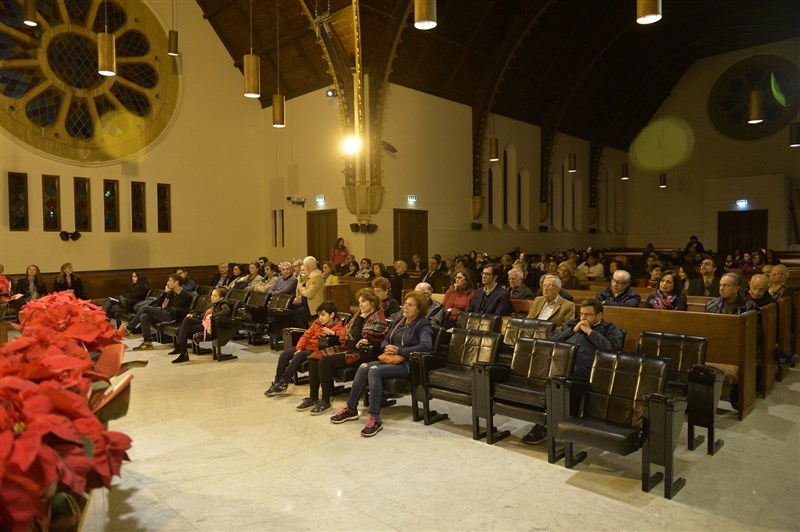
(473,321)
(689,377)
(152,295)
(621,409)
(523,328)
(278,316)
(223,330)
(519,390)
(450,377)
(169,329)
(254,317)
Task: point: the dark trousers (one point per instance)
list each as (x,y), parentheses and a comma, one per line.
(320,373)
(288,363)
(189,326)
(147,315)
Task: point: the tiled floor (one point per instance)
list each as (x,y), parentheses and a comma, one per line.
(212,453)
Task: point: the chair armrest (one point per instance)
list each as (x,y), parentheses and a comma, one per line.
(666,403)
(497,371)
(428,361)
(702,374)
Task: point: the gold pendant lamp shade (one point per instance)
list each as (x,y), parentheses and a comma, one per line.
(278,111)
(572,164)
(494,149)
(252,76)
(172,47)
(106,54)
(755,109)
(794,135)
(648,11)
(30,13)
(424,14)
(662,180)
(624,176)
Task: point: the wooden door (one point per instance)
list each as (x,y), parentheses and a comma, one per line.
(410,234)
(743,230)
(321,233)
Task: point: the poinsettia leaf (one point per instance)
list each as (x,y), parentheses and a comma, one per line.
(133,364)
(114,408)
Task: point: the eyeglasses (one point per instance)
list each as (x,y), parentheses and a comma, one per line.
(617,281)
(460,277)
(550,286)
(484,274)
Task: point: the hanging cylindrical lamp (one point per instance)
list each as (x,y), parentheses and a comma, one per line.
(572,164)
(172,42)
(648,11)
(624,176)
(755,108)
(29,18)
(278,112)
(794,135)
(106,54)
(494,149)
(251,64)
(424,14)
(662,180)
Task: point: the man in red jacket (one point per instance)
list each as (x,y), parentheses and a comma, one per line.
(327,323)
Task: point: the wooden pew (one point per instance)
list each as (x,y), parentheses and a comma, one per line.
(796,322)
(339,294)
(731,339)
(353,284)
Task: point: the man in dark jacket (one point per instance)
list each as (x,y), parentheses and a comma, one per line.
(162,309)
(491,298)
(620,293)
(708,283)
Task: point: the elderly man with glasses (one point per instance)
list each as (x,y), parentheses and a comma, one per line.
(551,306)
(620,293)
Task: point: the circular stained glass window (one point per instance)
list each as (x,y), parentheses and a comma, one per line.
(54,100)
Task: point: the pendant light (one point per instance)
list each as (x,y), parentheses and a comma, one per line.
(624,176)
(755,108)
(648,11)
(278,109)
(106,48)
(30,13)
(794,135)
(662,180)
(424,14)
(172,43)
(572,163)
(494,149)
(252,67)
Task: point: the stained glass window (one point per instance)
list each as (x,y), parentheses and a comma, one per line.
(83,204)
(138,214)
(17,201)
(51,203)
(111,205)
(164,208)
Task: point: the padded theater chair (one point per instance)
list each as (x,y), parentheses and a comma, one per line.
(473,321)
(523,328)
(223,330)
(691,378)
(170,328)
(291,335)
(450,377)
(254,318)
(519,390)
(621,409)
(152,295)
(278,315)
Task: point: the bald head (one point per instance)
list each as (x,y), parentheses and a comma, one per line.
(425,289)
(759,284)
(779,275)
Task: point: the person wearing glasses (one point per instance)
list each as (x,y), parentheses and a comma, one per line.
(458,297)
(551,306)
(708,283)
(491,298)
(619,293)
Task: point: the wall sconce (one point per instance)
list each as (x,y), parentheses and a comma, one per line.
(477,226)
(624,176)
(572,163)
(494,149)
(424,14)
(662,180)
(648,11)
(363,228)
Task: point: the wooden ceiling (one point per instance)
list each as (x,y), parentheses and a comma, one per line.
(582,67)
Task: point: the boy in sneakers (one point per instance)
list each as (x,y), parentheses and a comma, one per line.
(410,333)
(327,323)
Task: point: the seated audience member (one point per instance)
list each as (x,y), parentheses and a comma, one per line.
(568,280)
(619,293)
(457,298)
(758,290)
(297,268)
(531,271)
(267,280)
(238,275)
(491,298)
(686,274)
(695,245)
(516,287)
(367,328)
(767,270)
(286,283)
(730,299)
(708,283)
(124,302)
(651,260)
(261,261)
(771,258)
(188,284)
(778,282)
(590,333)
(366,271)
(593,268)
(67,279)
(388,304)
(221,279)
(613,266)
(30,288)
(379,270)
(411,333)
(563,293)
(400,275)
(338,254)
(162,309)
(755,266)
(433,273)
(652,279)
(251,280)
(329,276)
(416,264)
(675,259)
(729,263)
(669,294)
(435,309)
(550,305)
(310,293)
(352,269)
(327,323)
(200,323)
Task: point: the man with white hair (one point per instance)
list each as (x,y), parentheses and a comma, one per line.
(620,293)
(434,307)
(309,293)
(517,289)
(551,306)
(779,282)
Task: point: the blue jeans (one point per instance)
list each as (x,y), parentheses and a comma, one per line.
(288,362)
(373,373)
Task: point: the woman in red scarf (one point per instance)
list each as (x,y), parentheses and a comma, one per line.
(668,296)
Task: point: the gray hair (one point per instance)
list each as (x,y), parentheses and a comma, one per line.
(284,264)
(516,272)
(554,278)
(312,261)
(624,273)
(735,277)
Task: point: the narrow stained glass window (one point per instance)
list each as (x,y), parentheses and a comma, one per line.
(51,203)
(138,215)
(111,205)
(83,204)
(164,208)
(17,201)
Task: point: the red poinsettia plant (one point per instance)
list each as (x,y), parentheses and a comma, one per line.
(56,392)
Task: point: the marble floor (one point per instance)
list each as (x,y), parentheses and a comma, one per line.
(211,452)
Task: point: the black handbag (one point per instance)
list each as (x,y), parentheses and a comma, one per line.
(327,340)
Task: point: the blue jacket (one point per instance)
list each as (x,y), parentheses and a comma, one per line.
(412,338)
(605,335)
(628,298)
(498,302)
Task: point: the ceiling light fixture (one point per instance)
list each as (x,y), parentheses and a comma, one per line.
(624,176)
(278,102)
(106,49)
(252,67)
(755,107)
(648,11)
(331,93)
(172,46)
(572,163)
(424,14)
(30,13)
(494,149)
